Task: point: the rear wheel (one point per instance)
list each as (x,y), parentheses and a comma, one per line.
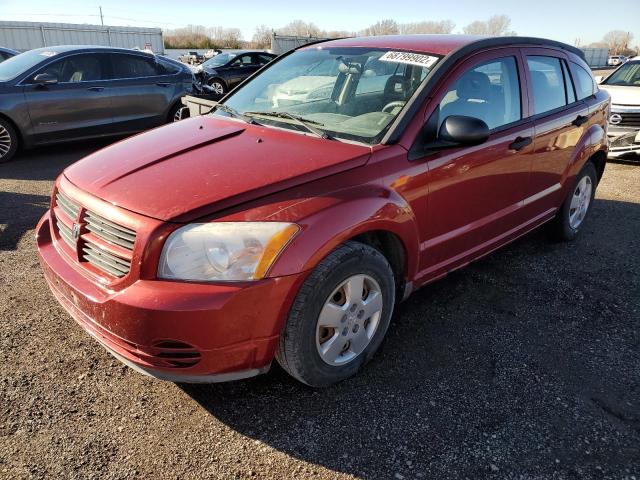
(178,112)
(340,316)
(573,212)
(8,141)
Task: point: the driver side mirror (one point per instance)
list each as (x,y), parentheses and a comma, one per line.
(598,79)
(45,79)
(462,130)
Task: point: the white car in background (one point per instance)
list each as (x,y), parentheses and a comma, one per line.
(624,121)
(615,60)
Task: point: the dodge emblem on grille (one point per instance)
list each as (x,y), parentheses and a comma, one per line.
(75,231)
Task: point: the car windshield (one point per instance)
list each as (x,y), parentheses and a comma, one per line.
(628,75)
(347,93)
(219,60)
(14,66)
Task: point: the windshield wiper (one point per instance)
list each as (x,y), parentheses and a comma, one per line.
(233,112)
(305,122)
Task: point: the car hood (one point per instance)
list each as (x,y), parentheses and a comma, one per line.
(621,95)
(201,165)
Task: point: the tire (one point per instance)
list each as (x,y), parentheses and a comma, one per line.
(219,87)
(305,336)
(178,112)
(574,210)
(8,141)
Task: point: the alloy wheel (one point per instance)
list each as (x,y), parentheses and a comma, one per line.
(218,88)
(349,320)
(580,202)
(5,141)
(181,113)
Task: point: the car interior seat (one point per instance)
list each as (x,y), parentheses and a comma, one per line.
(474,98)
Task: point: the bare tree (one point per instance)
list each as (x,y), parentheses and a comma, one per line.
(262,37)
(497,25)
(443,26)
(383,27)
(618,41)
(300,28)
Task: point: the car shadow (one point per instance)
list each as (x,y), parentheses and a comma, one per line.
(19,212)
(481,372)
(46,163)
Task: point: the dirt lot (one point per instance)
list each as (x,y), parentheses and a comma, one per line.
(524,365)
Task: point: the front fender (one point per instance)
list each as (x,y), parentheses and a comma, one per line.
(332,219)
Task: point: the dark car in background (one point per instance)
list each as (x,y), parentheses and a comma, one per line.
(57,94)
(6,53)
(226,70)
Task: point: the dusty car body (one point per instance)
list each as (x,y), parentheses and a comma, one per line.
(200,251)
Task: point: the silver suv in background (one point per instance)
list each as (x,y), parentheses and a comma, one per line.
(624,121)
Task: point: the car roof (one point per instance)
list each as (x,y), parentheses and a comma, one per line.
(91,48)
(439,44)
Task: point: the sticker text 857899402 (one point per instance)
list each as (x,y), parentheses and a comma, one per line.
(410,58)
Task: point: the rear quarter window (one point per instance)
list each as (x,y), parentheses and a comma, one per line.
(585,84)
(132,66)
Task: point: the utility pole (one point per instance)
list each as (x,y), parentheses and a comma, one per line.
(101,18)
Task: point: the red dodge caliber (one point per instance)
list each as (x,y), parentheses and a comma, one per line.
(291,220)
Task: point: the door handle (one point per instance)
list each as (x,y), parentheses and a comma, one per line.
(580,120)
(520,142)
(95,89)
(163,84)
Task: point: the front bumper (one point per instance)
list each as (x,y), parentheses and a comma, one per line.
(177,331)
(625,146)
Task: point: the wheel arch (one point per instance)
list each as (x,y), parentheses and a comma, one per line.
(384,221)
(599,160)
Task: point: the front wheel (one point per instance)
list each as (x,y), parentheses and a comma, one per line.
(573,212)
(219,88)
(339,317)
(8,141)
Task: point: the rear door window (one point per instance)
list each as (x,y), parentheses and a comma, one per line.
(547,83)
(490,91)
(132,66)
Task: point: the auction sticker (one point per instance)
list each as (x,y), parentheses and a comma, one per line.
(410,58)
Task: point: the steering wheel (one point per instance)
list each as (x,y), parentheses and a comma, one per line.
(391,105)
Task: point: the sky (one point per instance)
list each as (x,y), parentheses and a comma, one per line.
(563,20)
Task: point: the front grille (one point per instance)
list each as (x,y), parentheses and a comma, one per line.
(108,262)
(102,235)
(109,231)
(104,244)
(70,208)
(65,234)
(629,120)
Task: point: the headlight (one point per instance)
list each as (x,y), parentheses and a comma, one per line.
(224,251)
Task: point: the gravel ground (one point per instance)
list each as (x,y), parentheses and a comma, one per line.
(524,365)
